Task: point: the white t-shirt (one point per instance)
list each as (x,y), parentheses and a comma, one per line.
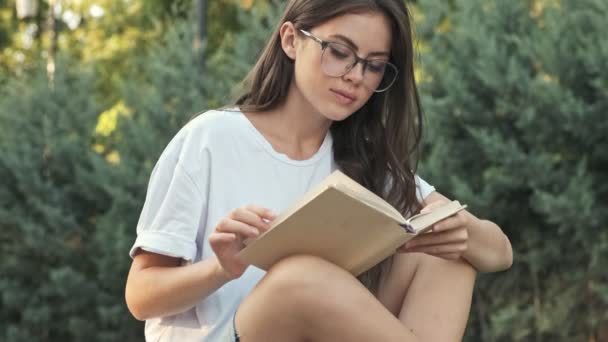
(218,162)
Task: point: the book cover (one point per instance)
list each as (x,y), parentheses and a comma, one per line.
(342,222)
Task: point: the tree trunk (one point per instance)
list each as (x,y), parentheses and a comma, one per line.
(52,27)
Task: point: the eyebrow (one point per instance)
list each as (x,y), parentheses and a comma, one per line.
(352,44)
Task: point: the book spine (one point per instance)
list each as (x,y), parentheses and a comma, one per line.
(408,228)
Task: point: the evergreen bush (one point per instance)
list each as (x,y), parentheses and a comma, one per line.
(516,96)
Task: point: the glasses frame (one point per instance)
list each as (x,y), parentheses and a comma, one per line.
(324,44)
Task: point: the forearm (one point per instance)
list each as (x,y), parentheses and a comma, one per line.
(162,291)
(489,249)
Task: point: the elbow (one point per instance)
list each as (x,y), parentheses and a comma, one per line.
(506,260)
(503,265)
(509,255)
(497,260)
(135,310)
(507,265)
(137,313)
(142,307)
(135,306)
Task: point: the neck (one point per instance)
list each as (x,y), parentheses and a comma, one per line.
(293,127)
(301,123)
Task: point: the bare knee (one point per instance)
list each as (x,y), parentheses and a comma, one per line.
(302,278)
(301,286)
(304,268)
(291,295)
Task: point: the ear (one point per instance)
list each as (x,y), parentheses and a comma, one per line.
(288,34)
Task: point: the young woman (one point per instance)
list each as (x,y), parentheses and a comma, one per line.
(333,89)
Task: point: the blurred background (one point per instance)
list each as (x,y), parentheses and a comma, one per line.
(515,96)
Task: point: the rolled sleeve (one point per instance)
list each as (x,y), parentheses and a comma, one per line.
(166,244)
(170,220)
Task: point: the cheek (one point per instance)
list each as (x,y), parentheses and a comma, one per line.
(309,77)
(366,95)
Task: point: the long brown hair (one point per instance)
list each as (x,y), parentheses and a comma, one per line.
(377,145)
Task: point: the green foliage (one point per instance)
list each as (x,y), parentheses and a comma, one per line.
(54,285)
(230,62)
(76,174)
(158,111)
(516,94)
(514,91)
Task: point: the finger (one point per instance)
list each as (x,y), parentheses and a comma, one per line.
(262,212)
(451,222)
(436,238)
(237,227)
(221,238)
(265,214)
(430,206)
(249,217)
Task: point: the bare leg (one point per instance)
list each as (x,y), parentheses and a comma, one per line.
(430,295)
(305,298)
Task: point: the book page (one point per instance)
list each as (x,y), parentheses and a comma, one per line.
(349,186)
(315,191)
(374,201)
(342,222)
(335,226)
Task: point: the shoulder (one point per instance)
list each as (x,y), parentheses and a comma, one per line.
(204,131)
(215,122)
(193,143)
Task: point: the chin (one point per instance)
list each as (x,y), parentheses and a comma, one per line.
(339,113)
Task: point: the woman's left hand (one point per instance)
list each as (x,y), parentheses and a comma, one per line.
(448,238)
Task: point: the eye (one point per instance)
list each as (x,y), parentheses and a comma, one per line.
(376,67)
(338,51)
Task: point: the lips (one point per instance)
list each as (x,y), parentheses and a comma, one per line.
(343,96)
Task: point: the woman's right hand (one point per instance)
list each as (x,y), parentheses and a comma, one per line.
(227,239)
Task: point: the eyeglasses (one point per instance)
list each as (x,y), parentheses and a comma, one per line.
(338,59)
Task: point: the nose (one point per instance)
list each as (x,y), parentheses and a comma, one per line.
(355,74)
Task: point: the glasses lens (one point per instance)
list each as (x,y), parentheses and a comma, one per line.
(388,77)
(337,59)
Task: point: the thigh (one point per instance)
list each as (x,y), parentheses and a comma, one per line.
(430,295)
(269,312)
(305,298)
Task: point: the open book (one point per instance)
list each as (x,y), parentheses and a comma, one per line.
(343,222)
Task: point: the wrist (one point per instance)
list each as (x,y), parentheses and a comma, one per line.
(220,273)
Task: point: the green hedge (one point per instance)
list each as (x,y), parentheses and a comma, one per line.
(515,96)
